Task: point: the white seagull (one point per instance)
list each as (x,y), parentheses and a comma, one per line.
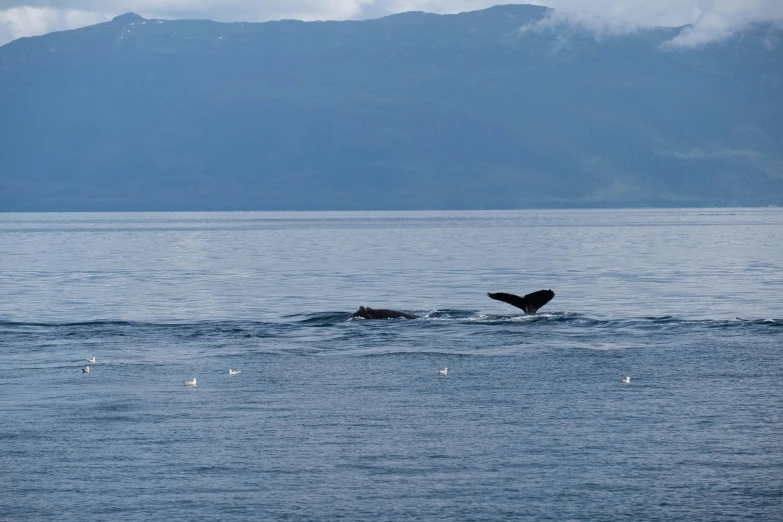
(444,371)
(191,383)
(86,370)
(91,360)
(627,380)
(233,372)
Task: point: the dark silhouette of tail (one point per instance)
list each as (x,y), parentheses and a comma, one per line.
(530,303)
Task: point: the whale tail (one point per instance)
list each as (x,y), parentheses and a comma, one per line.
(530,303)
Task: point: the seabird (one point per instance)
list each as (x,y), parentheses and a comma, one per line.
(233,372)
(444,371)
(91,360)
(627,380)
(86,369)
(191,383)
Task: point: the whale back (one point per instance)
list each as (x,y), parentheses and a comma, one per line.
(365,312)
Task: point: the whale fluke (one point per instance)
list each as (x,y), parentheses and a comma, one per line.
(365,312)
(530,303)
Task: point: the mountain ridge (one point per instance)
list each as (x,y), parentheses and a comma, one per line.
(408,111)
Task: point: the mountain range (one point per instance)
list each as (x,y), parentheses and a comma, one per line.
(495,108)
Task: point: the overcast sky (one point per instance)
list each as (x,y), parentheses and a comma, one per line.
(711,19)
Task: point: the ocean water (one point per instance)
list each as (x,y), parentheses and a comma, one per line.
(337,418)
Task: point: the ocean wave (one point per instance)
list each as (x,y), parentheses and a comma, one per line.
(327,319)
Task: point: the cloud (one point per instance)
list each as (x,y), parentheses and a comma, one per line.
(30,21)
(710,20)
(34,17)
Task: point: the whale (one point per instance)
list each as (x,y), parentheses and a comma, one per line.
(365,312)
(529,303)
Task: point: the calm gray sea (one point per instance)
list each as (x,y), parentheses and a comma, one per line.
(337,418)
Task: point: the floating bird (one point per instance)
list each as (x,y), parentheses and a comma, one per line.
(627,380)
(233,372)
(86,369)
(91,360)
(444,371)
(191,383)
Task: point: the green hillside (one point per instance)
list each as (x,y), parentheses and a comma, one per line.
(412,111)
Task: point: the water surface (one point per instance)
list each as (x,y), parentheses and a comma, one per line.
(337,418)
